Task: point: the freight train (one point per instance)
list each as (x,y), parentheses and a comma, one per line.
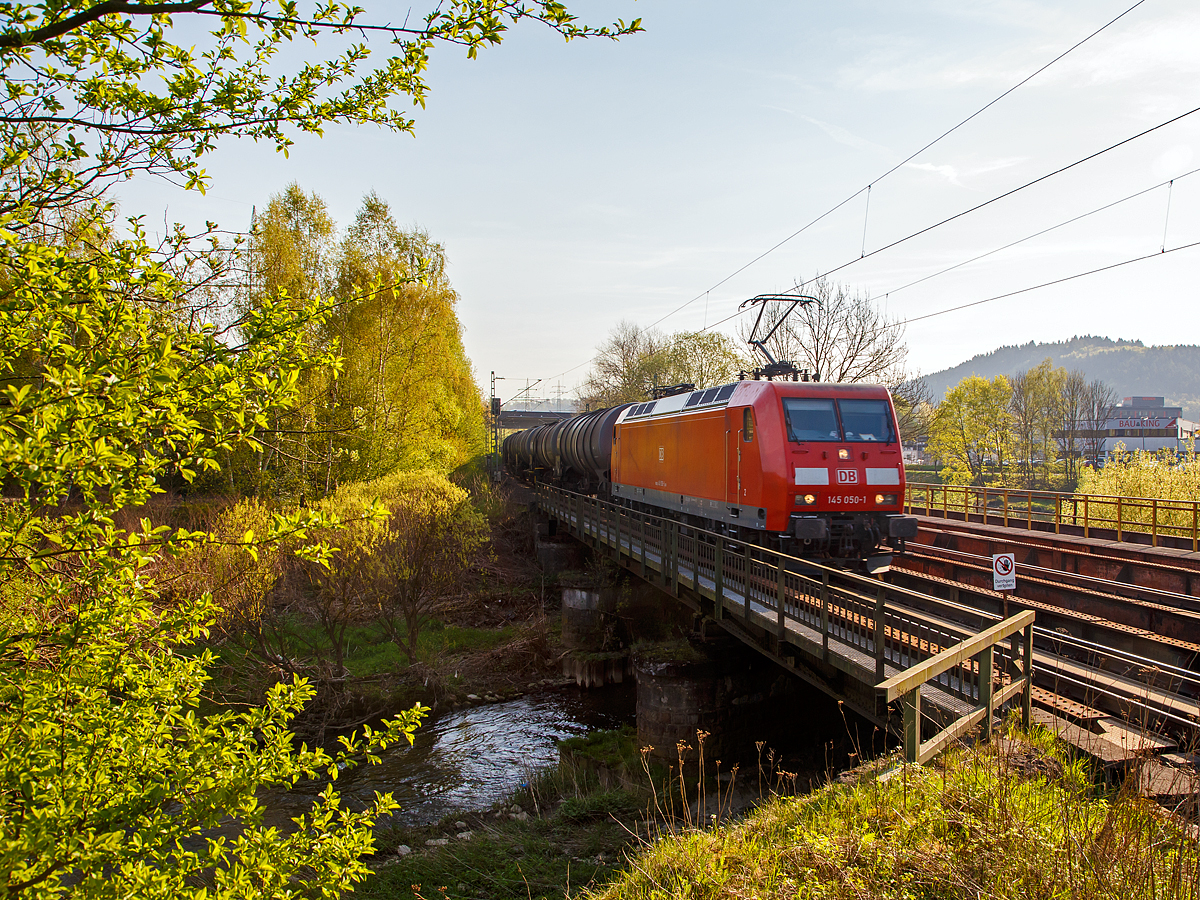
(815,470)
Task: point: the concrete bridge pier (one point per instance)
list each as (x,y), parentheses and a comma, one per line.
(556,551)
(715,685)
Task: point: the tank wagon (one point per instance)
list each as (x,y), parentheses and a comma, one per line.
(813,469)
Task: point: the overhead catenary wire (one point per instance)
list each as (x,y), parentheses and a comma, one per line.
(1157,254)
(874,181)
(1011,244)
(1167,216)
(999,197)
(1044,231)
(866,217)
(866,188)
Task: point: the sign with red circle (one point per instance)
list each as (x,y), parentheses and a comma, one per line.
(1004,572)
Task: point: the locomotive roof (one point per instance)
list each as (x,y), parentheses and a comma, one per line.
(727,394)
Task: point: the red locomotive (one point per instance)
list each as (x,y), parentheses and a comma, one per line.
(812,469)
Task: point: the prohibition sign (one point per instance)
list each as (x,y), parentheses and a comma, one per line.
(1004,572)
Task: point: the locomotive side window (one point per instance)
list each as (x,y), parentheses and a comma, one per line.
(810,420)
(867,420)
(748,425)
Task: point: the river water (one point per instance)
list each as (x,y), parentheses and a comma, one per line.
(471,758)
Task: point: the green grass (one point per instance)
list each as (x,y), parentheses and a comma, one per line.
(971,827)
(1024,823)
(370,652)
(615,747)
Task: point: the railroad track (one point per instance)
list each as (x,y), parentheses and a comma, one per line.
(1071,584)
(1161,568)
(1159,624)
(1111,641)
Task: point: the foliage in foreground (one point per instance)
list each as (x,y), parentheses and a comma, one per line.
(974,827)
(110,779)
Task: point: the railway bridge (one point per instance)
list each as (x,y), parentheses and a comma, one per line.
(927,657)
(929,668)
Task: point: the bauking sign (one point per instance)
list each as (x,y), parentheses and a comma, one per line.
(1147,423)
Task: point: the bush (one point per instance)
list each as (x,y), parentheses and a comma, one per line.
(1141,474)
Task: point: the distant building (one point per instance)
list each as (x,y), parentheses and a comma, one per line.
(1147,423)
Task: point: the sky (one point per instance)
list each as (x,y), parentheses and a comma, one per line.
(578,185)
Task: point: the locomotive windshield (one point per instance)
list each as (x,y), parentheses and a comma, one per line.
(810,420)
(867,420)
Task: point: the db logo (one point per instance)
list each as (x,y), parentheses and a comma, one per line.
(847,476)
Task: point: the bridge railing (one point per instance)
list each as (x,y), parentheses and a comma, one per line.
(979,653)
(1156,518)
(862,626)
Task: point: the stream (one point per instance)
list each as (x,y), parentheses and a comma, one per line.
(469,759)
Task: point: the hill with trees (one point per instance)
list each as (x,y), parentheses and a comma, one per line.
(1128,367)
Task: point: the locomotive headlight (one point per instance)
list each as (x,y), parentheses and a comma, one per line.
(843,453)
(885,499)
(806,500)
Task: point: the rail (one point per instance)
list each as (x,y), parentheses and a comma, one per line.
(1155,517)
(868,629)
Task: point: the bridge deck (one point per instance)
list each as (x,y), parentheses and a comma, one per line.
(862,630)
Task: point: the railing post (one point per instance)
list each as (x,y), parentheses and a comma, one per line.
(1085,515)
(1154,522)
(879,632)
(1058,513)
(1120,517)
(1029,512)
(642,541)
(719,579)
(1027,665)
(620,516)
(911,704)
(1195,522)
(825,617)
(746,584)
(1006,507)
(985,689)
(782,575)
(674,559)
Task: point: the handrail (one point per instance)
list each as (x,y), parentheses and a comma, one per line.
(980,649)
(1156,517)
(861,626)
(905,681)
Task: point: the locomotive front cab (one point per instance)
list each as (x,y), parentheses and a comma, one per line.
(846,491)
